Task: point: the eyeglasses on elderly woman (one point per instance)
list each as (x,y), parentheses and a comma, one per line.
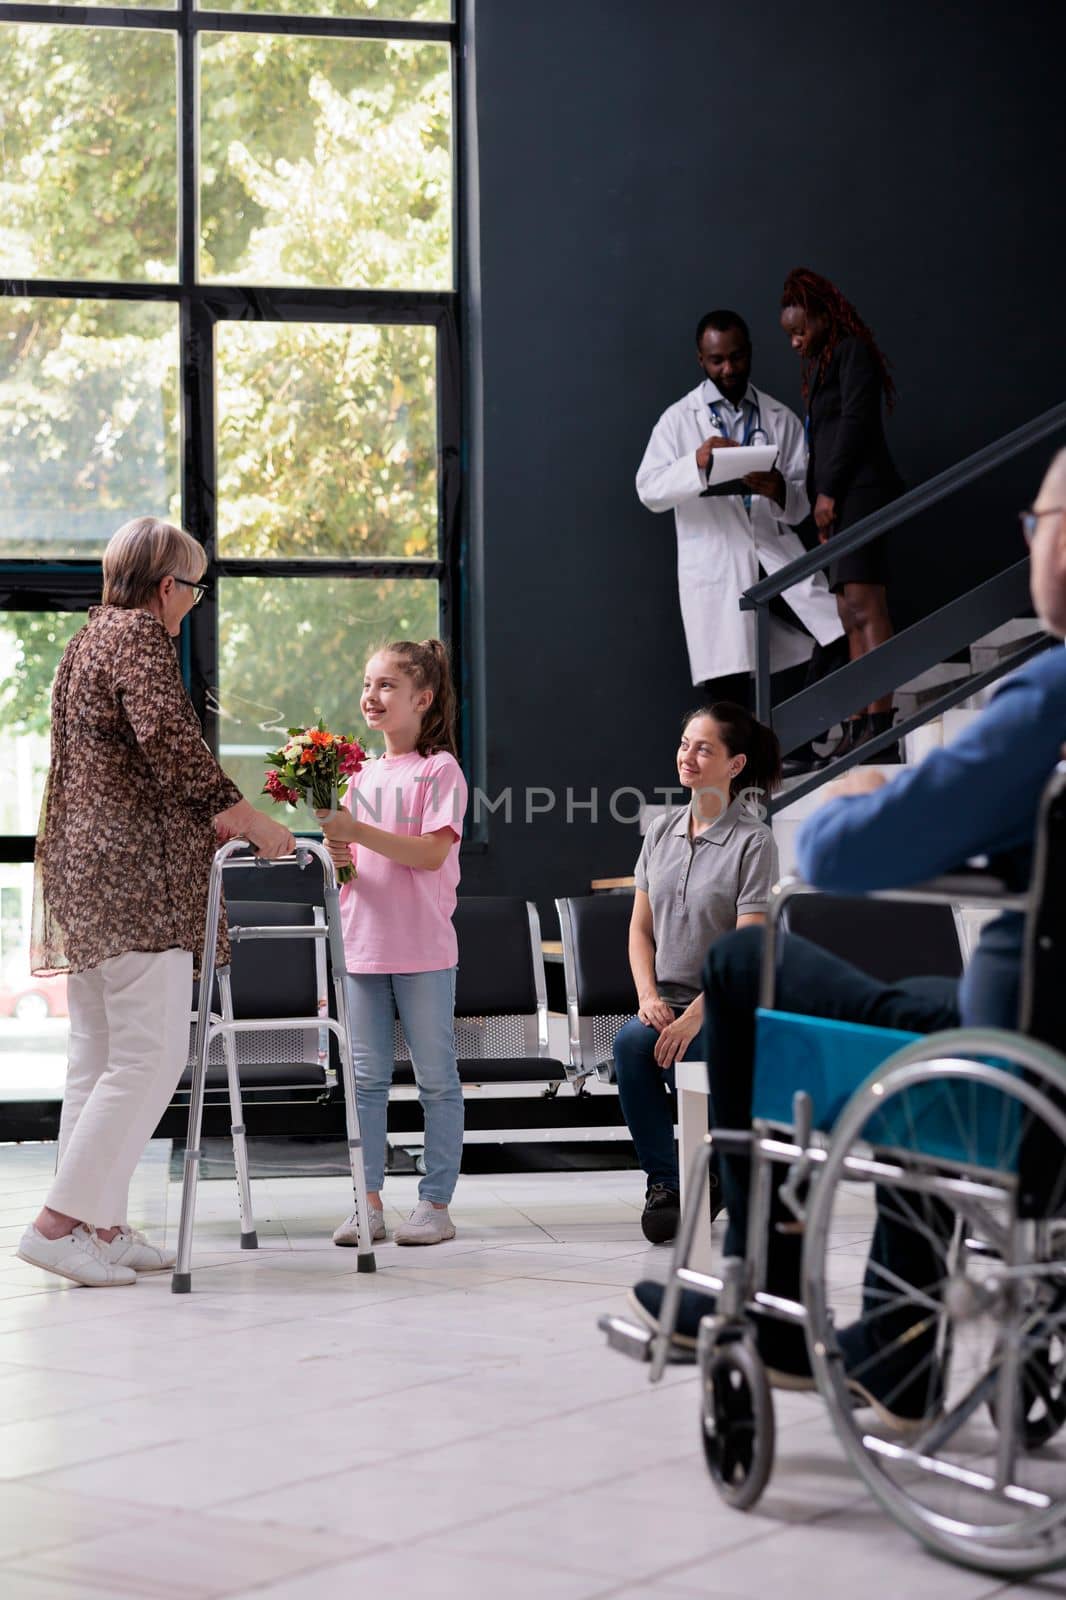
(201,588)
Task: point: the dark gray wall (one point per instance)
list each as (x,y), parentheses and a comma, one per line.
(644,160)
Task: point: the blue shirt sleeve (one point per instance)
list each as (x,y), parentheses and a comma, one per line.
(977,796)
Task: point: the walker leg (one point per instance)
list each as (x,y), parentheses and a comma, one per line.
(249,1238)
(181,1282)
(365,1261)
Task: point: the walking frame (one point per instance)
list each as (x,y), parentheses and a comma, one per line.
(210,1025)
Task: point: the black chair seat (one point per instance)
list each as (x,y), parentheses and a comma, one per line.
(272,1075)
(506,1069)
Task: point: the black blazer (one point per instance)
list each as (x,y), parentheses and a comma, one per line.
(846,437)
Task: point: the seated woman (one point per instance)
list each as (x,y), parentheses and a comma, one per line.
(977,796)
(706,868)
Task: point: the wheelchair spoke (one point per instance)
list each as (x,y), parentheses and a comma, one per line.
(909,1292)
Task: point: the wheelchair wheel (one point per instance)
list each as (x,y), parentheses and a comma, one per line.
(942,1368)
(1042,1380)
(737,1418)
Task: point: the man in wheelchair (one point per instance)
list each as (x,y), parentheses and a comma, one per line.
(976,797)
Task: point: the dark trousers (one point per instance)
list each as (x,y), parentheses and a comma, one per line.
(813,983)
(649,1105)
(740,686)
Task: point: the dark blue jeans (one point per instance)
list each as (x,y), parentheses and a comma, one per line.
(814,983)
(646,1094)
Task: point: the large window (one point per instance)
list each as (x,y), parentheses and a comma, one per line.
(227,297)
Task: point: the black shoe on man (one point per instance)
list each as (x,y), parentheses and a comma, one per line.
(661,1215)
(898,1377)
(782,1346)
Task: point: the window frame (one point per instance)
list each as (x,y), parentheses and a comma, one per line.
(43,584)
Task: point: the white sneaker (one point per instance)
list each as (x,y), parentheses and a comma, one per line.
(348,1232)
(131,1249)
(79,1256)
(427,1224)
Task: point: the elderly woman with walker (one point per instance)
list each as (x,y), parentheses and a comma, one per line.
(134,805)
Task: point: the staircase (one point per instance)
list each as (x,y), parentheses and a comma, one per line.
(934,691)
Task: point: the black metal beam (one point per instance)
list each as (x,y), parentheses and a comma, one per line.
(230,22)
(339,567)
(227,302)
(904,656)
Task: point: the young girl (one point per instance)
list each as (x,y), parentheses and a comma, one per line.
(401,825)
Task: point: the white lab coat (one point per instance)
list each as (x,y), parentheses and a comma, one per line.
(720,546)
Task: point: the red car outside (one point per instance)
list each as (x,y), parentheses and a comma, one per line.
(34,998)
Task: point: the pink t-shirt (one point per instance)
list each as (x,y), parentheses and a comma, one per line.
(394,918)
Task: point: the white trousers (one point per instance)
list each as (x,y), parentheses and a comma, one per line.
(129,1041)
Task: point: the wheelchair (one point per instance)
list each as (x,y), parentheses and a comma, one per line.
(948,1151)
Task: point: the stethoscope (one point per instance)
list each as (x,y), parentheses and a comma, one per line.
(754,432)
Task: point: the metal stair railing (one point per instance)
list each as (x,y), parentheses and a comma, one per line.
(922,645)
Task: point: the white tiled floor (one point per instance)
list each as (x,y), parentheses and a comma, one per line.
(450,1426)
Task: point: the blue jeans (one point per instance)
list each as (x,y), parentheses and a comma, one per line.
(646,1095)
(425,1002)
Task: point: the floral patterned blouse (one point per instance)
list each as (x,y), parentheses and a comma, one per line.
(126,836)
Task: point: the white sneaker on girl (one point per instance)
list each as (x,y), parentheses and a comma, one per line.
(348,1232)
(427,1224)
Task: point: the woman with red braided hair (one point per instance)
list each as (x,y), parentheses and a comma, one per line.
(850,472)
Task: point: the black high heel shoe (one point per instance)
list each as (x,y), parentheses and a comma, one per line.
(880,722)
(854,728)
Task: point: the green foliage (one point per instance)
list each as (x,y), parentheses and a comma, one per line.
(323,162)
(31,643)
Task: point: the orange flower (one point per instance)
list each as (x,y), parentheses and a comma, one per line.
(308,756)
(320,736)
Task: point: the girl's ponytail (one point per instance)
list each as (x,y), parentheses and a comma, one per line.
(428,665)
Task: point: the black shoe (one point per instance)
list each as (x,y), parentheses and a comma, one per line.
(854,728)
(901,1379)
(661,1215)
(799,761)
(880,722)
(782,1346)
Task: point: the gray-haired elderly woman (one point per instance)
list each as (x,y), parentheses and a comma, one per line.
(134,804)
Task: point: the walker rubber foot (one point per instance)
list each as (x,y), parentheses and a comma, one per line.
(250,1241)
(181,1283)
(366,1263)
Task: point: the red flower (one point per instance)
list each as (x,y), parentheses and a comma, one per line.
(351,756)
(278,791)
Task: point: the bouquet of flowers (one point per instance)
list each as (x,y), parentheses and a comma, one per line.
(314,765)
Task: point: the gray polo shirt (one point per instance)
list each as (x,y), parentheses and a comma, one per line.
(698,887)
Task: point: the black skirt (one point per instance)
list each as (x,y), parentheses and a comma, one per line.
(868,565)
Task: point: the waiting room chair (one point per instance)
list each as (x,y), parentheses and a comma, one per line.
(501,1004)
(599,984)
(887,940)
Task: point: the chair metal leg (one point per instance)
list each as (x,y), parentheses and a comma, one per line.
(365,1261)
(249,1238)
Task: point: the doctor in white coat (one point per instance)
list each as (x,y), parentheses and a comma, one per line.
(728,539)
